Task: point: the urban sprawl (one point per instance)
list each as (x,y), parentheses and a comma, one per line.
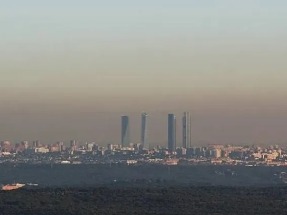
(141,153)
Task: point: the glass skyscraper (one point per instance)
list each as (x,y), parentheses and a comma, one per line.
(144,131)
(171,132)
(186,130)
(125,139)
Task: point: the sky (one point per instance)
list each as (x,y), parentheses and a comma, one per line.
(69,69)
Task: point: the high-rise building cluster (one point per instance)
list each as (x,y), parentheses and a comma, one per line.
(171,133)
(186,131)
(125,131)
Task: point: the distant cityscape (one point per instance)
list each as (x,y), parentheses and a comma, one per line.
(141,153)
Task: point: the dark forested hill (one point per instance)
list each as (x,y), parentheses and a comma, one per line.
(128,200)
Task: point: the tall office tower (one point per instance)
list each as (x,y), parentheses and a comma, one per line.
(60,146)
(171,132)
(125,132)
(73,145)
(25,144)
(186,130)
(36,144)
(144,132)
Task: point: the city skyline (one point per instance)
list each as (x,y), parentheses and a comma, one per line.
(143,106)
(136,125)
(69,69)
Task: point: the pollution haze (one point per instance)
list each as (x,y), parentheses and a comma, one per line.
(69,69)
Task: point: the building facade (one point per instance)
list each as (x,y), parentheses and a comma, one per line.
(144,131)
(125,132)
(171,132)
(186,130)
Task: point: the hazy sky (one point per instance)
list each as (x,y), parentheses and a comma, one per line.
(69,69)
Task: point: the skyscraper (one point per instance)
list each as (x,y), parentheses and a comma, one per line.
(144,132)
(186,130)
(125,141)
(171,132)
